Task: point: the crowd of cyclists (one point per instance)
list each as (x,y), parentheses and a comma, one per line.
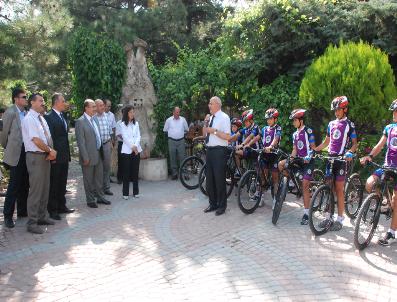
(340,141)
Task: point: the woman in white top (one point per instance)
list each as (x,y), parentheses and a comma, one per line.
(130,151)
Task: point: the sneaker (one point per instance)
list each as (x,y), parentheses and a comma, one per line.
(262,202)
(305,219)
(125,197)
(136,196)
(387,240)
(323,224)
(336,226)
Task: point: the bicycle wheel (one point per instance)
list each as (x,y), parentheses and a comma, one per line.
(367,221)
(281,194)
(249,192)
(353,195)
(318,180)
(189,172)
(321,210)
(202,180)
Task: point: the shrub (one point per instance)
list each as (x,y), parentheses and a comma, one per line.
(357,70)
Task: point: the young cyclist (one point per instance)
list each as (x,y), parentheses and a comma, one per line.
(248,136)
(270,136)
(235,138)
(389,138)
(341,133)
(303,144)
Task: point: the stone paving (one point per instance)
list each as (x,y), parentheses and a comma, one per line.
(162,247)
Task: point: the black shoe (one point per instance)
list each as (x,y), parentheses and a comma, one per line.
(104,201)
(220,212)
(387,240)
(305,219)
(66,211)
(45,222)
(92,205)
(55,216)
(210,209)
(108,192)
(174,177)
(9,223)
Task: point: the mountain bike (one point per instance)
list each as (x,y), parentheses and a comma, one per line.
(354,191)
(371,209)
(191,166)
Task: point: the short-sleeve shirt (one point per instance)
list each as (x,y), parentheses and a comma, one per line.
(390,132)
(176,128)
(238,141)
(340,132)
(221,123)
(254,130)
(31,127)
(268,134)
(302,138)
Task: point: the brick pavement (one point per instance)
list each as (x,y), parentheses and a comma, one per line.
(163,247)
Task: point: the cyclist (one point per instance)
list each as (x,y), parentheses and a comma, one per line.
(341,134)
(235,139)
(270,136)
(303,145)
(249,138)
(389,137)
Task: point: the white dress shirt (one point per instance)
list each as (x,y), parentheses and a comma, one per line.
(221,123)
(176,128)
(131,137)
(31,128)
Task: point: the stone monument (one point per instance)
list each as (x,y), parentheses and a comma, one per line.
(138,91)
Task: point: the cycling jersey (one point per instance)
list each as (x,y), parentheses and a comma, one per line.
(340,132)
(302,139)
(236,142)
(268,134)
(254,130)
(390,132)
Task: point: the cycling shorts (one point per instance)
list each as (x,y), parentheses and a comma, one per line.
(338,170)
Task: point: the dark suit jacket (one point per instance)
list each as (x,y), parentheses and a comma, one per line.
(59,136)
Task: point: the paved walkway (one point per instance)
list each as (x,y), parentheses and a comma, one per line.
(162,247)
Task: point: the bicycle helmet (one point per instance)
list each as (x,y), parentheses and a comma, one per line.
(393,105)
(340,102)
(272,112)
(236,121)
(297,113)
(247,115)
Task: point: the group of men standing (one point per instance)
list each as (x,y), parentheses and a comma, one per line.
(37,153)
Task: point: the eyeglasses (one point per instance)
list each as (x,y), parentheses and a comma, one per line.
(23,97)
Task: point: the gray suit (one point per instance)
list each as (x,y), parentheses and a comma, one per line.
(11,136)
(93,172)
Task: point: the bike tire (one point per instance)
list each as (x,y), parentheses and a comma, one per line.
(248,184)
(353,195)
(363,217)
(281,194)
(321,201)
(202,180)
(190,166)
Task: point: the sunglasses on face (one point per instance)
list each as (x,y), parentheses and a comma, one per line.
(23,97)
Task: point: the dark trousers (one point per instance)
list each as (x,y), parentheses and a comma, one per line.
(58,180)
(130,170)
(18,188)
(119,163)
(216,176)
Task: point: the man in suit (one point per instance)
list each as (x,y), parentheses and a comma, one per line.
(91,154)
(15,158)
(59,167)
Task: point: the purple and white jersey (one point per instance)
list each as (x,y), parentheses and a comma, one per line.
(340,132)
(302,138)
(254,130)
(269,133)
(391,154)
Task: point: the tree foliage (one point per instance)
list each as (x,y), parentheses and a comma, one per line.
(98,66)
(357,70)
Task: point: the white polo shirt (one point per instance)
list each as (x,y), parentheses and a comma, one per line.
(221,123)
(31,127)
